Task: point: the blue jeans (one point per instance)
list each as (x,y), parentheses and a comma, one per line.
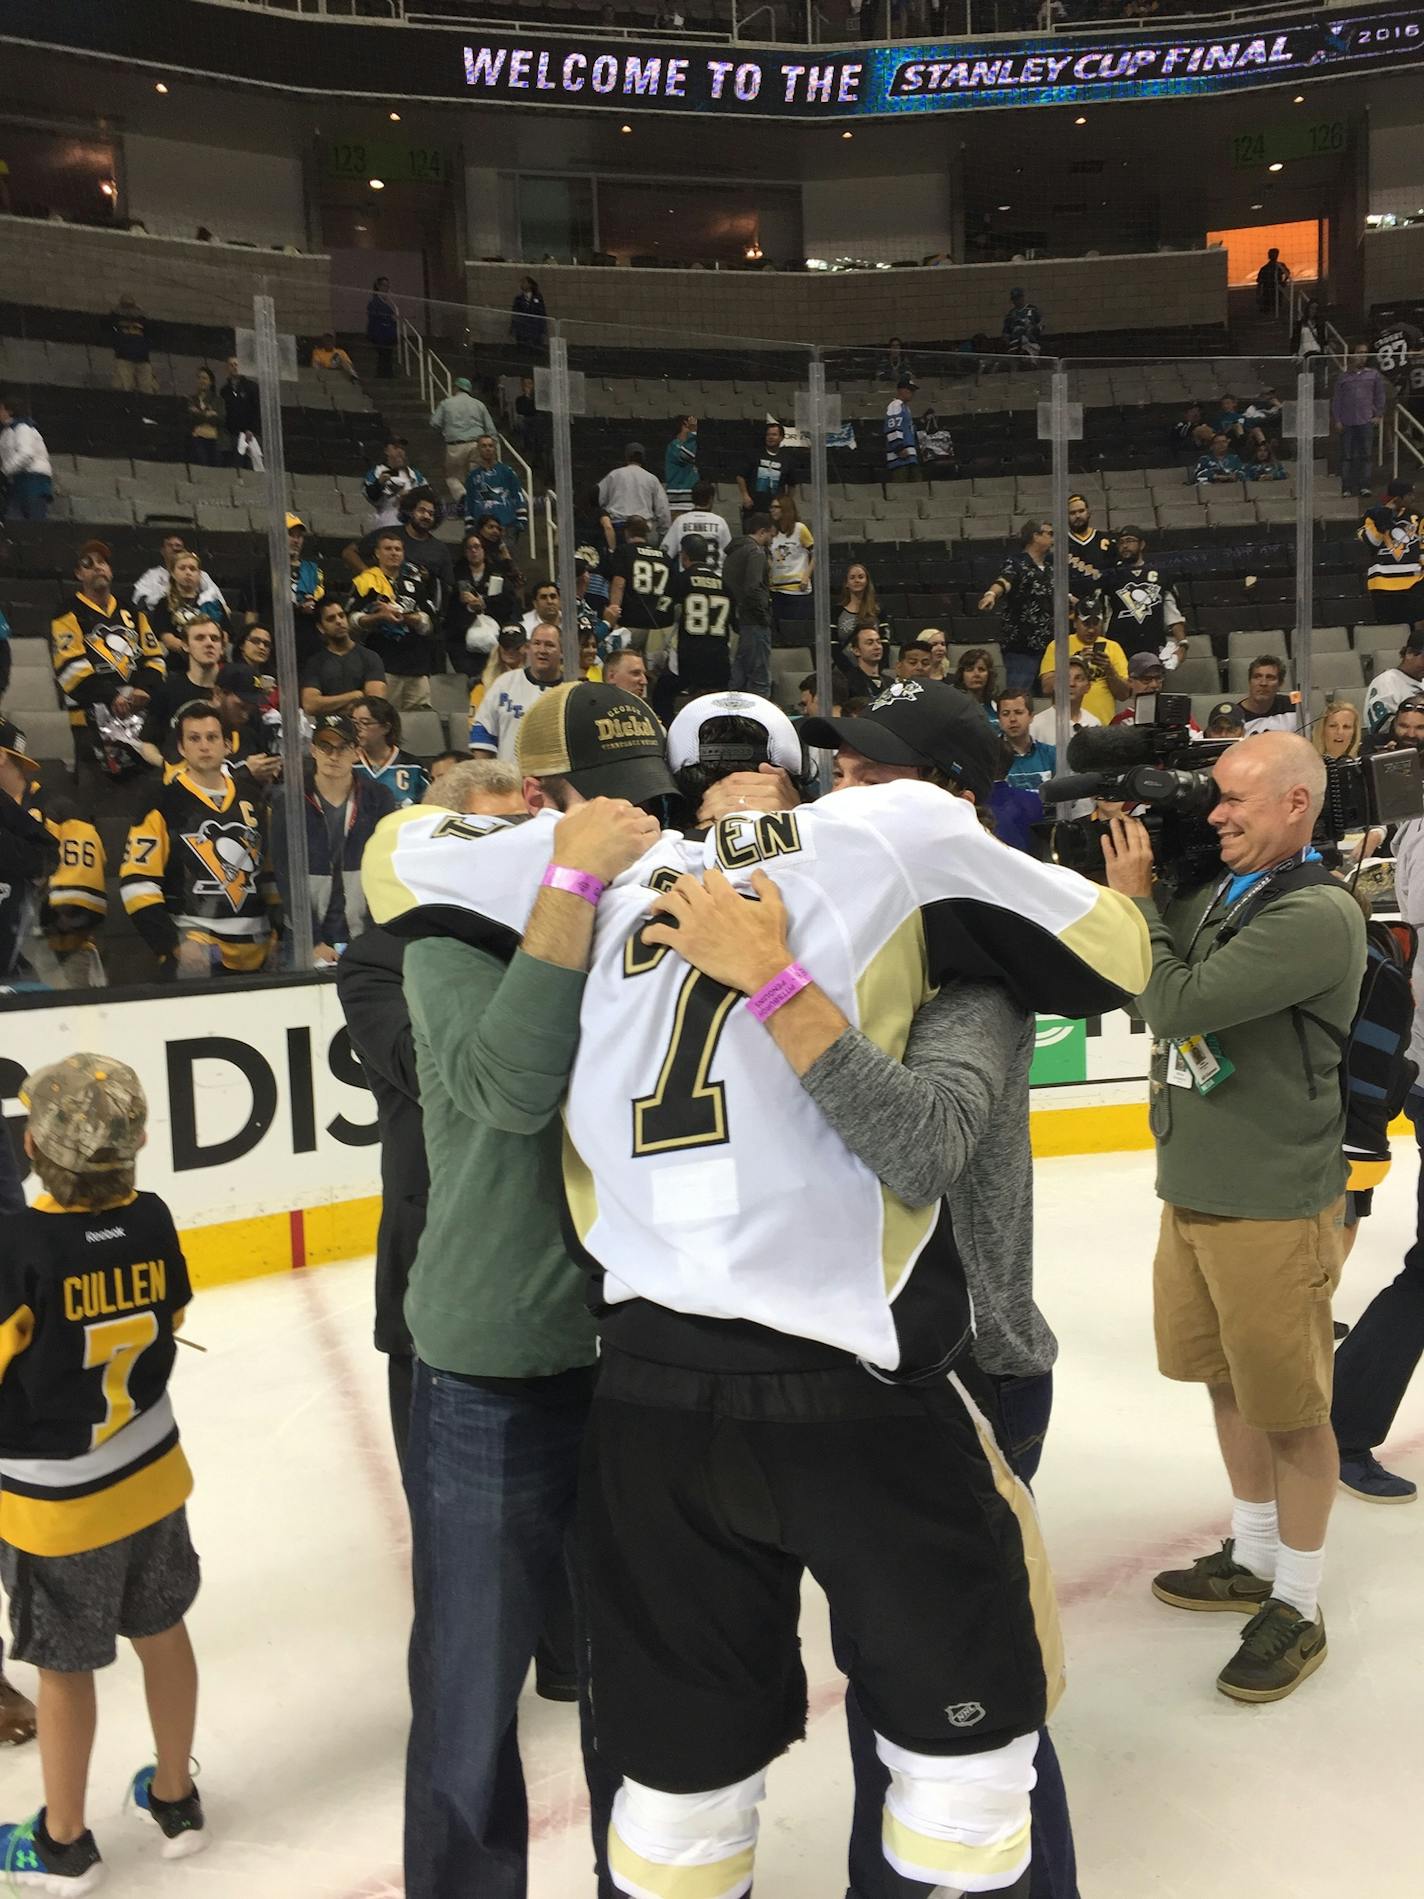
(1024,1405)
(1021,671)
(1357,456)
(751,663)
(30,496)
(490,1479)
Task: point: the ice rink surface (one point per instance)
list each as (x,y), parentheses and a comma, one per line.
(301,1625)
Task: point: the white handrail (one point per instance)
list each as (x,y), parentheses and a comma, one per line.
(1409,435)
(436,382)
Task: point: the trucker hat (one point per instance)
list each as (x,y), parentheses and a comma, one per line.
(919,722)
(605,741)
(87,1113)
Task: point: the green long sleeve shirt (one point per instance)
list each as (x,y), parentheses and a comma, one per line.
(493,1292)
(1265,1144)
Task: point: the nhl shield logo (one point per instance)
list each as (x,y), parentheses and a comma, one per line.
(965,1714)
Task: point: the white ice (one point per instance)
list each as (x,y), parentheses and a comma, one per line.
(301,1625)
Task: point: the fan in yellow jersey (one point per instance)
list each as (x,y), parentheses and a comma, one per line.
(196,878)
(51,877)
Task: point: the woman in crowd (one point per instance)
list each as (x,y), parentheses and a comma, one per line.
(935,640)
(180,605)
(793,564)
(859,606)
(511,650)
(590,667)
(254,649)
(379,755)
(497,554)
(474,609)
(1263,464)
(1308,337)
(381,326)
(1337,735)
(529,319)
(894,363)
(975,675)
(203,422)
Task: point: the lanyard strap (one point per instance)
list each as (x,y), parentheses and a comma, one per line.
(1229,927)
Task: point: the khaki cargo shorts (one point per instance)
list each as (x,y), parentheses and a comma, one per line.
(1246,1303)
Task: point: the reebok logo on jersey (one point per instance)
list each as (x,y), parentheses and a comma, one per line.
(965,1714)
(227,852)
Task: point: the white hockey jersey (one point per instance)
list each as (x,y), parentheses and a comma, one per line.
(699,1174)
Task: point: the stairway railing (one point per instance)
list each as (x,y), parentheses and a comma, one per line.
(436,381)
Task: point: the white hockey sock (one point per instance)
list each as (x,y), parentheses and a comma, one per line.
(1298,1574)
(1257,1536)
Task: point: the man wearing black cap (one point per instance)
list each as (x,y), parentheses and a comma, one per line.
(342,810)
(504,1344)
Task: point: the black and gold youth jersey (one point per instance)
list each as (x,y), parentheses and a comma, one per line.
(89,1302)
(196,866)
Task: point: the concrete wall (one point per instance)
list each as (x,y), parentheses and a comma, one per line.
(649,307)
(174,185)
(76,268)
(884,219)
(1396,169)
(1393,264)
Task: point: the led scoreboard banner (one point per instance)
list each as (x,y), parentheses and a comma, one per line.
(277,51)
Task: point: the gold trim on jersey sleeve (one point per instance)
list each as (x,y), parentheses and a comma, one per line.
(15,1335)
(579,1190)
(1112,940)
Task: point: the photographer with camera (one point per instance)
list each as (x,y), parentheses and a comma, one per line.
(1251,1000)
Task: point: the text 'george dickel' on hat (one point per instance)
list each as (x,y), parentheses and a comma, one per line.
(606,742)
(918,722)
(87,1113)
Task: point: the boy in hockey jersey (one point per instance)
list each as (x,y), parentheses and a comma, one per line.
(196,878)
(93,1531)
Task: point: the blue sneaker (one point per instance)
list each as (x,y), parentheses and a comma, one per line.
(181,1822)
(36,1864)
(1366,1477)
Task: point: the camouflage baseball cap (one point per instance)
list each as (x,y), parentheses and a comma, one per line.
(87,1113)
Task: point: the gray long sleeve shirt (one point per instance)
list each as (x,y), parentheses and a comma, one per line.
(951,1122)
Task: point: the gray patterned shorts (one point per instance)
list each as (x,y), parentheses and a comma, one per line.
(67,1612)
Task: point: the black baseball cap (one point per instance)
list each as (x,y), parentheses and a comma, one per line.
(12,740)
(920,722)
(244,682)
(338,725)
(605,741)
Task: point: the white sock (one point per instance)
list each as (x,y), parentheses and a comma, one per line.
(1257,1535)
(1297,1579)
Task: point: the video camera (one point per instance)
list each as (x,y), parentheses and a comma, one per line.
(1156,763)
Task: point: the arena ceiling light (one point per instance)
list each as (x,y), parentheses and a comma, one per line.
(625,128)
(1277,166)
(847,134)
(1006,207)
(394,117)
(376,184)
(1299,99)
(1080,121)
(160,87)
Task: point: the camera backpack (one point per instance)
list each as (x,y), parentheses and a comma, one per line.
(1376,1073)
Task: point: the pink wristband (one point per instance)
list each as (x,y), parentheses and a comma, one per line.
(768,999)
(578,883)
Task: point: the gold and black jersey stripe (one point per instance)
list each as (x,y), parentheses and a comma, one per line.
(74,902)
